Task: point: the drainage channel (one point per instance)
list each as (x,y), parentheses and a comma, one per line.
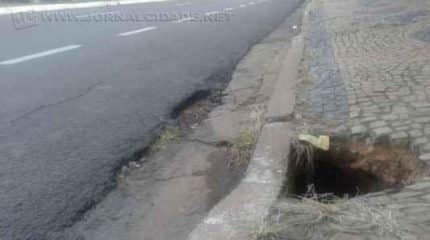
(350,168)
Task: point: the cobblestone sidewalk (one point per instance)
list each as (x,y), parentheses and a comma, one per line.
(367,73)
(369,64)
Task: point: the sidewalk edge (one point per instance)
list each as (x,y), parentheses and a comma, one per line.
(239,214)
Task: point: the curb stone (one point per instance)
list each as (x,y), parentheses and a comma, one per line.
(240,213)
(282,102)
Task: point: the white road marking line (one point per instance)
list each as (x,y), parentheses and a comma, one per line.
(228,9)
(251,3)
(184,20)
(63,6)
(39,55)
(96,14)
(183,4)
(242,6)
(136,31)
(211,13)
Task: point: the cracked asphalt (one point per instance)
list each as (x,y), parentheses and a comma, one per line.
(78,99)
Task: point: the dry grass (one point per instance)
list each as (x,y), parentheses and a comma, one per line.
(313,219)
(302,154)
(268,232)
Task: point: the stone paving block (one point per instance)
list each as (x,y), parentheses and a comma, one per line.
(416,133)
(368,119)
(420,104)
(420,185)
(425,148)
(382,131)
(424,157)
(419,218)
(358,130)
(426,197)
(420,141)
(377,124)
(390,117)
(406,194)
(354,114)
(402,128)
(422,120)
(399,135)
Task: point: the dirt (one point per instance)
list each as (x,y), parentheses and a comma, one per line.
(393,165)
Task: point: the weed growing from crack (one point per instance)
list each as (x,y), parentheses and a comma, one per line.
(242,148)
(167,135)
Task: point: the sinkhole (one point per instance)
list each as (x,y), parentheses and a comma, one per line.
(350,168)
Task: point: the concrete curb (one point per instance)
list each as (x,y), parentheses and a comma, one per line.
(282,102)
(239,214)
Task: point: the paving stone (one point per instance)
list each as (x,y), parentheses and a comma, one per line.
(420,104)
(398,123)
(406,194)
(415,133)
(420,186)
(402,128)
(400,109)
(360,129)
(377,124)
(419,218)
(399,135)
(382,131)
(390,117)
(368,119)
(425,147)
(420,141)
(424,157)
(422,120)
(426,197)
(354,114)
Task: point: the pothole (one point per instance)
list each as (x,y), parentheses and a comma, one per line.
(350,168)
(196,107)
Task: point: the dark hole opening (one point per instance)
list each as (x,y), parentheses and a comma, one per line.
(325,177)
(349,169)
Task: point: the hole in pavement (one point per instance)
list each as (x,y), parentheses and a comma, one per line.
(195,97)
(350,168)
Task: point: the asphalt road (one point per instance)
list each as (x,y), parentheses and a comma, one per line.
(80,97)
